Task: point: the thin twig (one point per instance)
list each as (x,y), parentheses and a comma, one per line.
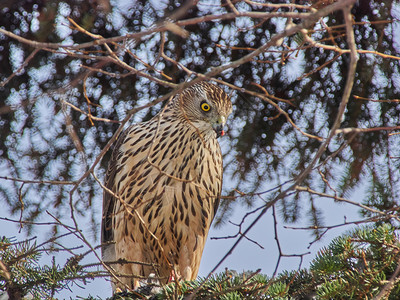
(23,65)
(373,210)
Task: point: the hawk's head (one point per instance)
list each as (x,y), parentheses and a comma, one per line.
(207,106)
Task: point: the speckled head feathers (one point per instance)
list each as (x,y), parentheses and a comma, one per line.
(207,91)
(205,104)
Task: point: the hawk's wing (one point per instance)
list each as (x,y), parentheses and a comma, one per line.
(107,233)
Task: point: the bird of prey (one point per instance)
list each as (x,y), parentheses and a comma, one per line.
(163,185)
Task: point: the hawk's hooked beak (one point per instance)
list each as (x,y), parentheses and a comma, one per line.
(218,126)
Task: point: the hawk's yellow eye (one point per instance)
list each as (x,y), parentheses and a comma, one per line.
(205,106)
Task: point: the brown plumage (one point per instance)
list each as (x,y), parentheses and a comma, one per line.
(166,177)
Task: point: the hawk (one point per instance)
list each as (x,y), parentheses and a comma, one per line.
(163,185)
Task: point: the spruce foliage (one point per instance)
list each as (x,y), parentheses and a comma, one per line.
(22,275)
(356,265)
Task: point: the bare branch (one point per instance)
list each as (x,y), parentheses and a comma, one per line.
(386,215)
(23,65)
(38,181)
